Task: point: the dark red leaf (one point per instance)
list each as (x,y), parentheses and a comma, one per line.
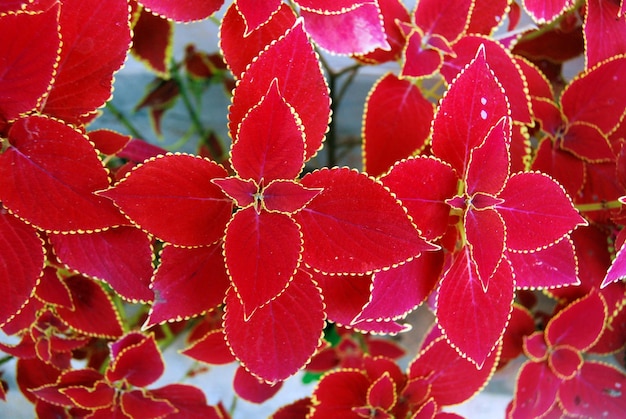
(66,170)
(22,260)
(93,32)
(488,166)
(183,10)
(153,41)
(562,165)
(93,313)
(396,123)
(486,235)
(52,290)
(136,359)
(521,324)
(192,211)
(28,60)
(300,83)
(188,282)
(605,32)
(50,390)
(121,257)
(262,251)
(190,402)
(250,388)
(136,403)
(101,395)
(587,142)
(32,374)
(355,225)
(107,141)
(344,296)
(269,143)
(565,361)
(282,336)
(338,393)
(382,393)
(487,15)
(211,348)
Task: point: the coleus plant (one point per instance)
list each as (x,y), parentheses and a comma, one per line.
(486,178)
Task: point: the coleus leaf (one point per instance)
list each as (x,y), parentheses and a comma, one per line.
(22,258)
(192,210)
(256,13)
(566,168)
(101,395)
(617,270)
(338,393)
(107,141)
(262,251)
(29,60)
(93,312)
(135,403)
(301,84)
(356,28)
(67,171)
(187,283)
(136,359)
(189,401)
(97,33)
(604,31)
(442,18)
(282,336)
(487,15)
(153,39)
(211,348)
(395,109)
(183,11)
(535,392)
(121,257)
(250,388)
(269,143)
(545,11)
(421,59)
(239,47)
(287,196)
(475,328)
(355,225)
(344,296)
(474,102)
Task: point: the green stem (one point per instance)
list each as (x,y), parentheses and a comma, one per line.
(5,359)
(123,120)
(193,113)
(598,206)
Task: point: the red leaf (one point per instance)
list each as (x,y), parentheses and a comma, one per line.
(565,361)
(22,260)
(395,109)
(597,391)
(566,168)
(136,359)
(183,10)
(398,291)
(604,30)
(545,11)
(442,18)
(423,184)
(269,143)
(28,60)
(487,15)
(476,327)
(354,30)
(551,267)
(521,324)
(452,379)
(300,83)
(617,270)
(153,38)
(504,68)
(52,290)
(594,96)
(211,348)
(66,170)
(101,395)
(420,59)
(587,142)
(473,104)
(344,296)
(243,192)
(121,257)
(382,393)
(355,225)
(192,211)
(108,141)
(535,392)
(240,48)
(486,235)
(532,220)
(93,313)
(488,166)
(188,282)
(282,336)
(255,13)
(93,32)
(251,389)
(338,393)
(136,403)
(287,196)
(262,252)
(190,402)
(580,324)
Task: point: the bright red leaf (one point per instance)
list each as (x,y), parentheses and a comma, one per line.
(183,11)
(545,11)
(255,13)
(250,388)
(136,359)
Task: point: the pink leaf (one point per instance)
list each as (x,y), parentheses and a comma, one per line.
(617,270)
(191,210)
(53,172)
(443,18)
(355,225)
(256,13)
(188,282)
(357,30)
(262,252)
(121,257)
(183,10)
(545,11)
(395,109)
(475,327)
(532,219)
(282,336)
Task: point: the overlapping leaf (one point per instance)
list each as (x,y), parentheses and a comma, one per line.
(545,11)
(183,11)
(604,31)
(153,38)
(256,13)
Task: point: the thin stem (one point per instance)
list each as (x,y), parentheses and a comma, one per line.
(193,113)
(598,206)
(124,120)
(6,359)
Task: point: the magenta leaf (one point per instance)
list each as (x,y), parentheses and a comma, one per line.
(565,361)
(183,11)
(475,327)
(269,143)
(545,11)
(617,270)
(187,283)
(439,18)
(286,331)
(533,221)
(355,225)
(192,211)
(262,252)
(535,392)
(121,257)
(66,170)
